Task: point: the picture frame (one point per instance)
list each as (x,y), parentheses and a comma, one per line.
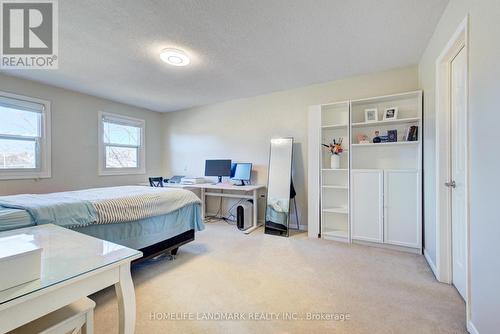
(390,113)
(371,115)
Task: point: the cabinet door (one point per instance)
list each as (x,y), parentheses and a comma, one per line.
(367,204)
(402,208)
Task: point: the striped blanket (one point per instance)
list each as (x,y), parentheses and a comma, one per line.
(124,204)
(100,205)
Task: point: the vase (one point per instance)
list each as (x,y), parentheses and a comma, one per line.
(335,161)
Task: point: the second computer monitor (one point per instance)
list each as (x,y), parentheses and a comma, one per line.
(218,168)
(241,171)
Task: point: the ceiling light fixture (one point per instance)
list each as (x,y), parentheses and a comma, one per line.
(174,57)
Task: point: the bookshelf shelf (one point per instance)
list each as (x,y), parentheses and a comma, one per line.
(334,187)
(334,169)
(396,143)
(334,126)
(343,211)
(387,122)
(335,235)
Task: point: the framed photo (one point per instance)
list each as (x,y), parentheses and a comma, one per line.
(371,115)
(391,113)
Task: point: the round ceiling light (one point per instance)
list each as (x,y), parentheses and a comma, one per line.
(174,57)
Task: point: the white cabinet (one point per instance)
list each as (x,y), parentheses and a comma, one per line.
(367,205)
(402,208)
(386,206)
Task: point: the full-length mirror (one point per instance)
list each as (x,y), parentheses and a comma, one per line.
(278,186)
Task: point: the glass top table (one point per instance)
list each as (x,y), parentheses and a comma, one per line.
(66,254)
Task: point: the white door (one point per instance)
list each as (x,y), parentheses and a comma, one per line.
(402,208)
(367,205)
(458,169)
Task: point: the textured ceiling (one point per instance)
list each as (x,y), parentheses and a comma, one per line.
(239,48)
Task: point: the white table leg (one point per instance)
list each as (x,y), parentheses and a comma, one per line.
(255,209)
(255,224)
(126,300)
(202,191)
(88,327)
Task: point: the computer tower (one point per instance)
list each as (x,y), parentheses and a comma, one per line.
(244,215)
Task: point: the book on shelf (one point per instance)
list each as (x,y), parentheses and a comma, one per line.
(392,135)
(411,133)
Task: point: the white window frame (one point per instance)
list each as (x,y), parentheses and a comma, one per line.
(136,122)
(43,169)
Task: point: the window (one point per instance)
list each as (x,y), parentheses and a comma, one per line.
(24,137)
(121,145)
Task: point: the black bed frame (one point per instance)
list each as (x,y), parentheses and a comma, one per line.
(166,246)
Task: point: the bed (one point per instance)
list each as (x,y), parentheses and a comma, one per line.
(153,220)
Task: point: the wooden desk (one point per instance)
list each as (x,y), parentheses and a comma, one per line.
(74,266)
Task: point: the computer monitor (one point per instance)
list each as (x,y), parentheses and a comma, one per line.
(241,171)
(218,168)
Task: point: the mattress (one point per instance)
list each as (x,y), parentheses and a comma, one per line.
(14,218)
(136,234)
(146,232)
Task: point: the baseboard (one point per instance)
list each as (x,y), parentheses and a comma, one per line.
(431,264)
(471,328)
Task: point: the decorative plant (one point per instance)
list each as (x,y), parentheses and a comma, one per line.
(335,147)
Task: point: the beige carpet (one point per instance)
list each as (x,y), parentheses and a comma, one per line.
(263,277)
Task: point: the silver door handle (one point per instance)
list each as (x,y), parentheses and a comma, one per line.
(451,184)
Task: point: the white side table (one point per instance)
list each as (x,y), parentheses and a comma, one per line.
(74,265)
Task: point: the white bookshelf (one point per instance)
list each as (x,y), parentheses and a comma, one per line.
(334,183)
(393,168)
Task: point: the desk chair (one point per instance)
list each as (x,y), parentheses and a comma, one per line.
(156,181)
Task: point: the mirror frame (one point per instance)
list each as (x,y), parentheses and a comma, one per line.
(275,231)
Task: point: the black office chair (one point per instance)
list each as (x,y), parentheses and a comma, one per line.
(156,181)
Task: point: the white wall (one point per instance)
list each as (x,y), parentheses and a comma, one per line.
(484,105)
(241,129)
(74,139)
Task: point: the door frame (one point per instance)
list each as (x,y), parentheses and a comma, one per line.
(459,41)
